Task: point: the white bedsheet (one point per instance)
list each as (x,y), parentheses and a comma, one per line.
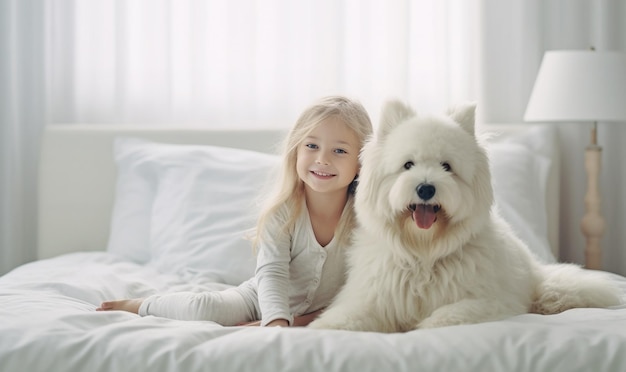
(48,323)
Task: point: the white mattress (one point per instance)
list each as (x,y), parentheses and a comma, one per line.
(48,323)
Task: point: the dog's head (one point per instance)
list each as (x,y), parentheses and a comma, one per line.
(424,178)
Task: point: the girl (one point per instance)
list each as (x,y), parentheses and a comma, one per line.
(300,236)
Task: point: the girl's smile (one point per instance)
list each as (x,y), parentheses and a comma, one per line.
(322,175)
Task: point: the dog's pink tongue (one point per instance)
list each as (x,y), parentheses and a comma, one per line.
(424,216)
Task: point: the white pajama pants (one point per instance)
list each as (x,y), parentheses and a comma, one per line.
(228,307)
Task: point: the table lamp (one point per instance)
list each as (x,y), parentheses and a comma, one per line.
(582,86)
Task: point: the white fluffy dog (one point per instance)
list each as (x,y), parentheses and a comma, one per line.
(430,249)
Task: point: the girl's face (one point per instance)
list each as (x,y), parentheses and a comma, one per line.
(328,159)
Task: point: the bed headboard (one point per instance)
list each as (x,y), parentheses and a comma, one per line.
(77,178)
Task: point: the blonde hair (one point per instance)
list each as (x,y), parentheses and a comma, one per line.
(289,190)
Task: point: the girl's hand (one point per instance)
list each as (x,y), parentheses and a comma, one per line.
(273,323)
(304,320)
(256,323)
(278,323)
(299,321)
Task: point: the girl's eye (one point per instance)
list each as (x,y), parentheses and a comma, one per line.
(311,145)
(408,165)
(446,166)
(340,151)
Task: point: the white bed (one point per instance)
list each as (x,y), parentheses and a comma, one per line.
(106,231)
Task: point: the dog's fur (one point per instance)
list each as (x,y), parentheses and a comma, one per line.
(439,255)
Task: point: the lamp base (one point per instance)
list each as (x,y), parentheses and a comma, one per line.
(592,224)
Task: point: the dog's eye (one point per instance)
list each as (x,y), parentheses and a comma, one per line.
(408,165)
(446,166)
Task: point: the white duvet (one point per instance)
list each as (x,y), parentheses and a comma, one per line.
(48,323)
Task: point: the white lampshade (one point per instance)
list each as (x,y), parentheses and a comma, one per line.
(574,86)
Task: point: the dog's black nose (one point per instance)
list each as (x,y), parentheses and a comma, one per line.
(425,191)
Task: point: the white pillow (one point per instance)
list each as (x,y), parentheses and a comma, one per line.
(203,200)
(520,166)
(136,186)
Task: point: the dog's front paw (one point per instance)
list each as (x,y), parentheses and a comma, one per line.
(346,323)
(442,319)
(321,323)
(435,322)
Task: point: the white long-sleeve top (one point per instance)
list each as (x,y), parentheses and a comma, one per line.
(295,275)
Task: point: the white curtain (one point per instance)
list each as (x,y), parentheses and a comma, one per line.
(248,63)
(22,116)
(253,63)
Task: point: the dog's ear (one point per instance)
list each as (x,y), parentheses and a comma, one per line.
(465,115)
(394,112)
